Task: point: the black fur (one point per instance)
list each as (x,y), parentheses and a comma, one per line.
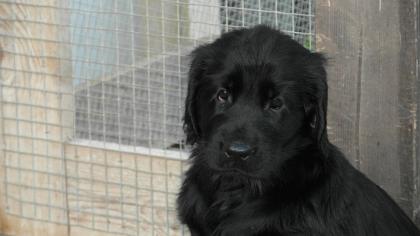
(296,182)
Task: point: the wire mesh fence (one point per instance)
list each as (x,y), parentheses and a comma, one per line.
(91,104)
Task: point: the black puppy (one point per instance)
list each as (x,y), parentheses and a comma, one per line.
(261,161)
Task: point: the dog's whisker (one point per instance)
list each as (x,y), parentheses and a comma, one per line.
(227,154)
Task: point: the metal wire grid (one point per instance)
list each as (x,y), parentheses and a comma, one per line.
(81,140)
(294,17)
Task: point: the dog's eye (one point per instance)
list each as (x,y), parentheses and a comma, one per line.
(223,95)
(276,104)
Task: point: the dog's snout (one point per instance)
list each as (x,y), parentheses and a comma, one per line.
(239,149)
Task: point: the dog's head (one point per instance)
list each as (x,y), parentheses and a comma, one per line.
(255,98)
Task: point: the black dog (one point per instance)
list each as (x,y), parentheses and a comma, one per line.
(262,163)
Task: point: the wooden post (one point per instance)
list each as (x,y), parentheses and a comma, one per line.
(408,104)
(373,87)
(417,142)
(33,92)
(4,220)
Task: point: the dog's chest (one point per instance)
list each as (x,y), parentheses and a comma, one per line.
(230,194)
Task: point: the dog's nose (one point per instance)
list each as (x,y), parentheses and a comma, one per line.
(239,150)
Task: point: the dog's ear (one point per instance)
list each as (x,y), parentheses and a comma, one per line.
(197,68)
(317,98)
